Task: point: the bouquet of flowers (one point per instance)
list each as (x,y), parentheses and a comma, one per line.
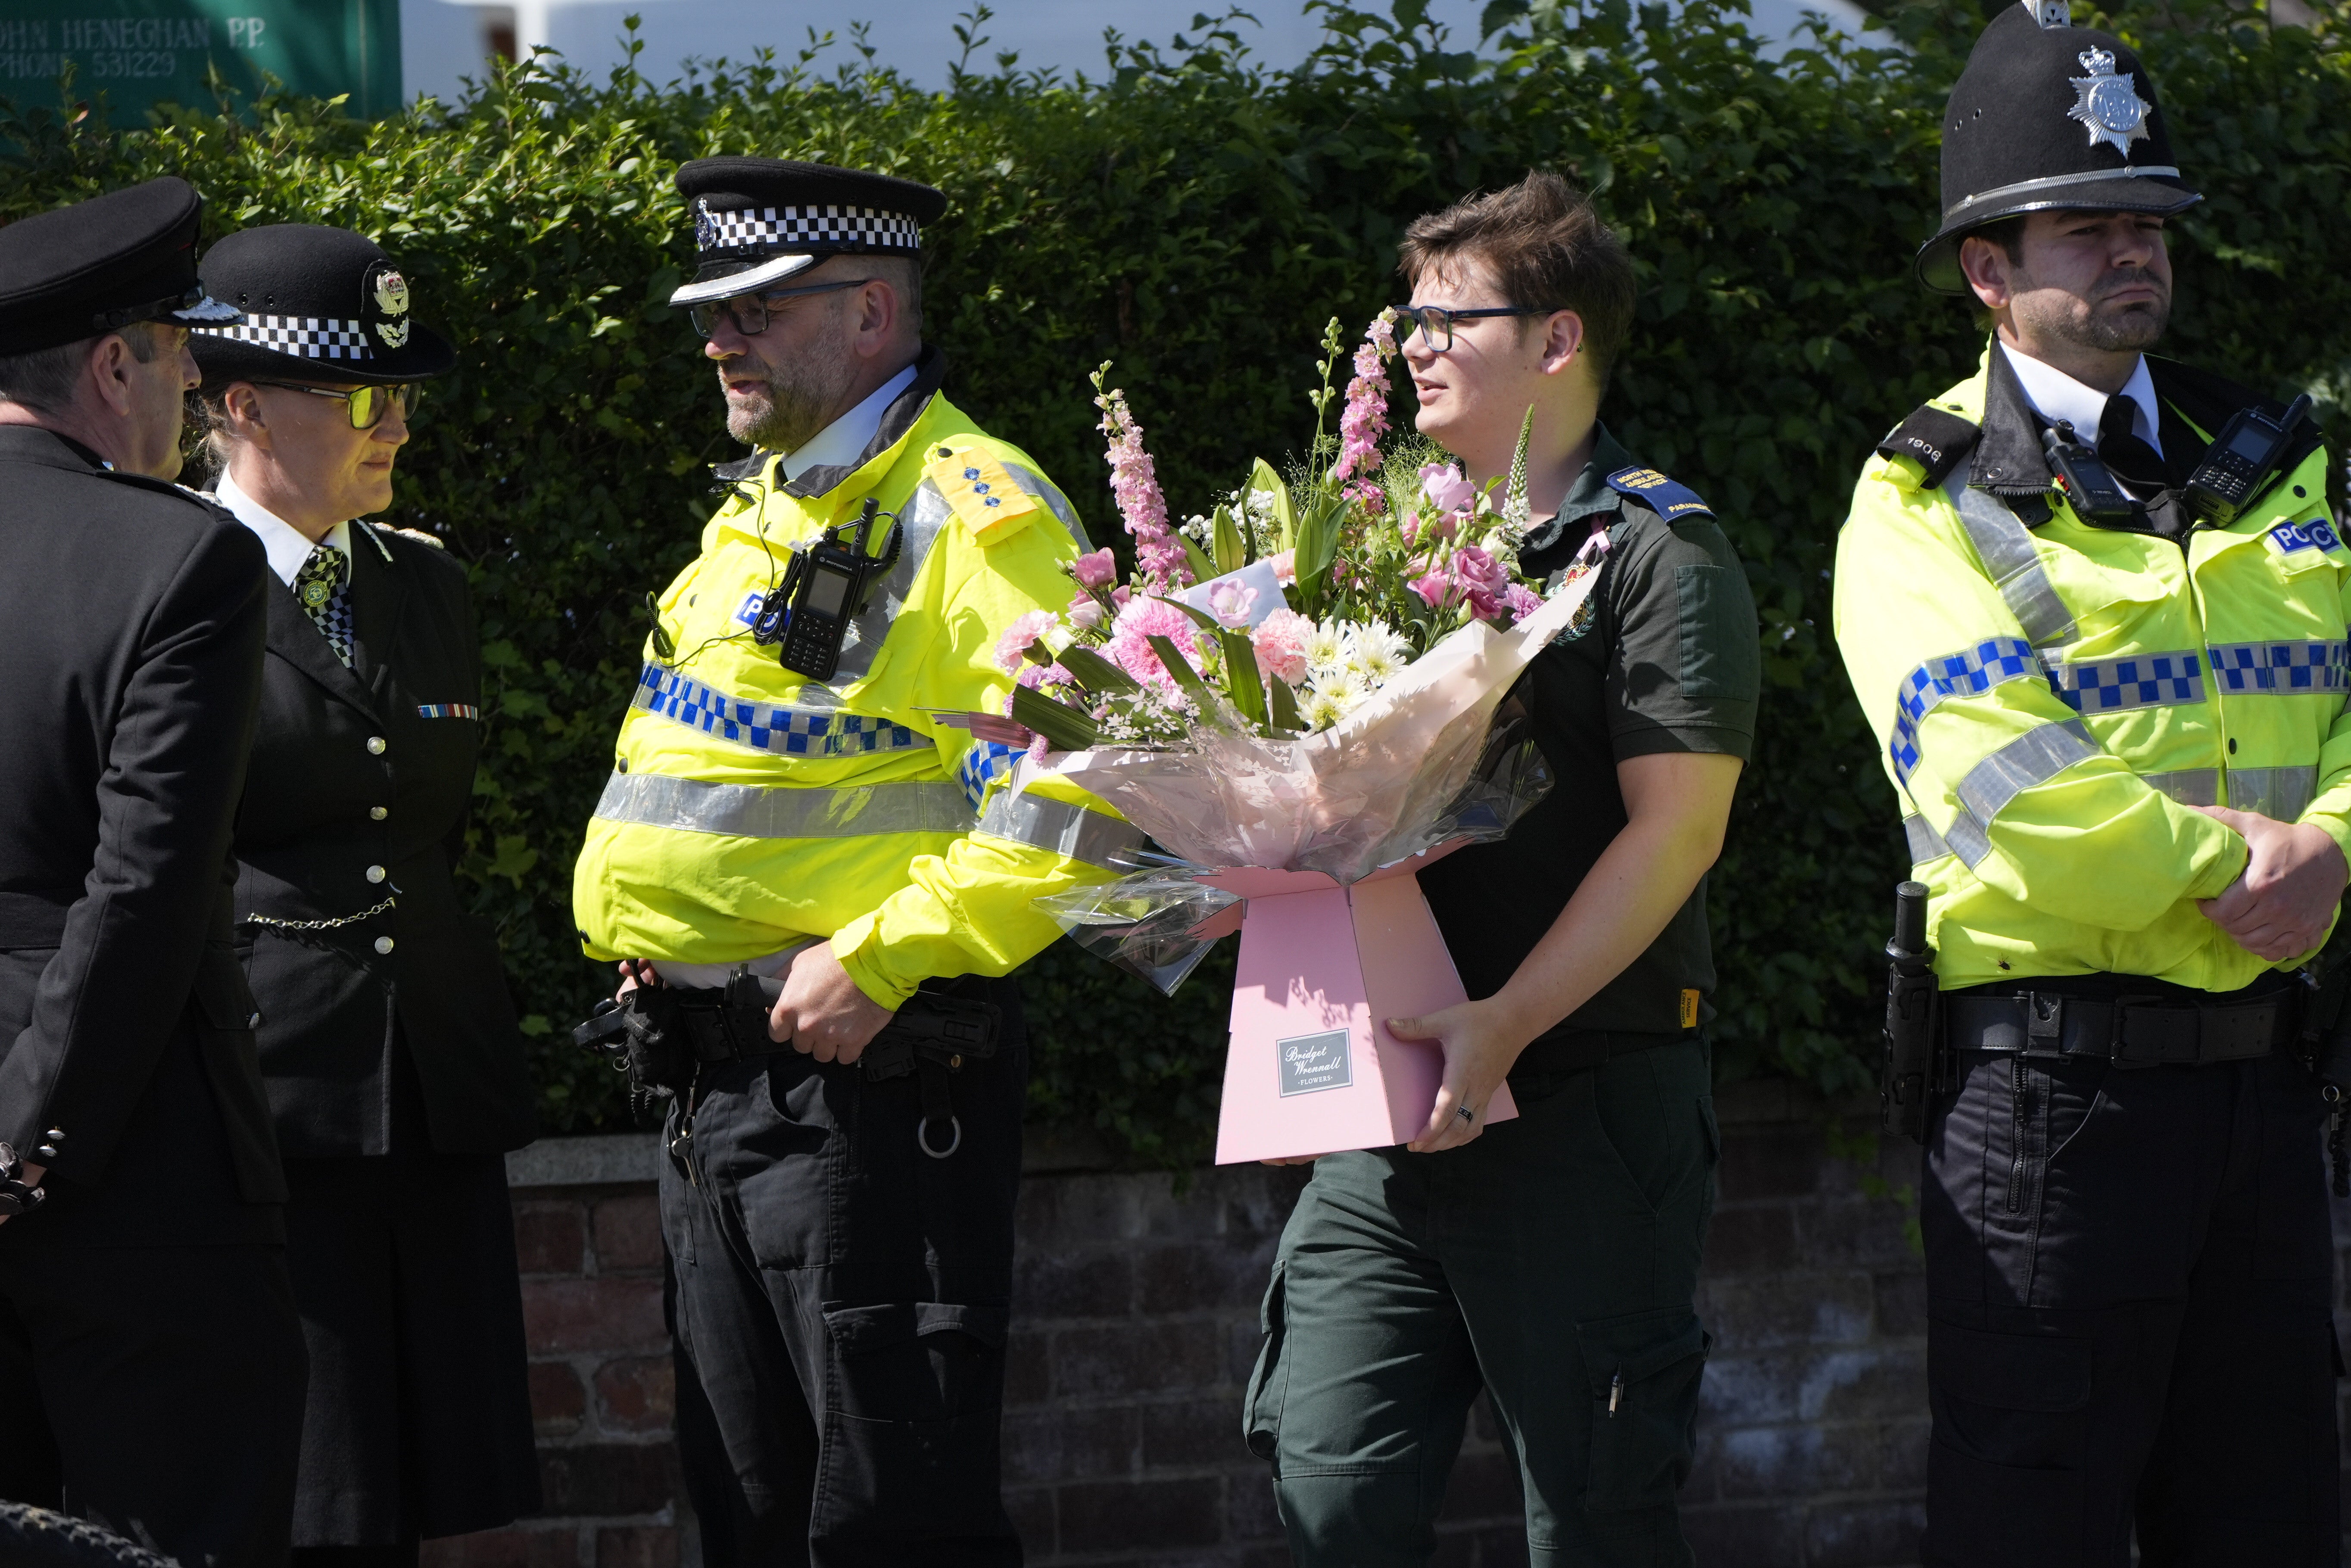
(1294,693)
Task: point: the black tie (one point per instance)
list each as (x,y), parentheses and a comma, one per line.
(2136,464)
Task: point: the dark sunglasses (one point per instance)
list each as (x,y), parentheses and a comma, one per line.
(366,405)
(1435,322)
(749,312)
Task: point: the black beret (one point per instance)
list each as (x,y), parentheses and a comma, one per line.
(320,305)
(758,220)
(95,266)
(2047,115)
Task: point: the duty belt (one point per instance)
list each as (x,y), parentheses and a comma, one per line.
(2128,1031)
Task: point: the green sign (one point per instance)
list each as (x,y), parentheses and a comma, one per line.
(142,52)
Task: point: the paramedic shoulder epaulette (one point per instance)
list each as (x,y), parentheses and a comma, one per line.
(1935,439)
(1658,493)
(988,501)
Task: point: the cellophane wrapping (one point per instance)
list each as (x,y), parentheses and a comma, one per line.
(1420,761)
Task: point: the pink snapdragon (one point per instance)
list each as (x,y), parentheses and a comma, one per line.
(1364,420)
(1140,619)
(1134,480)
(1097,570)
(1012,648)
(1280,643)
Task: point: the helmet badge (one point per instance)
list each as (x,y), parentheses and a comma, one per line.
(392,299)
(705,227)
(2109,106)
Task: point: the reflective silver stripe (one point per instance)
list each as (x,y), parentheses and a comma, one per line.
(1057,825)
(2032,758)
(1045,491)
(2189,786)
(1926,844)
(2005,545)
(2059,182)
(760,811)
(2283,793)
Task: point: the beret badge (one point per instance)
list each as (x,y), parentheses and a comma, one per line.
(392,299)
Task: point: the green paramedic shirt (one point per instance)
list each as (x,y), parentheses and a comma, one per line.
(1671,662)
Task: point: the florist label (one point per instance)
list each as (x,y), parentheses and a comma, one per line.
(1314,1062)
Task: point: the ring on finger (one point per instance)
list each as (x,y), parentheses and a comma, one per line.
(1466,1113)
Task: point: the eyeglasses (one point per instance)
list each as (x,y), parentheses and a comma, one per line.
(366,405)
(749,312)
(1435,322)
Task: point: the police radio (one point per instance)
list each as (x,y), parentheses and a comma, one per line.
(2240,463)
(2087,483)
(825,587)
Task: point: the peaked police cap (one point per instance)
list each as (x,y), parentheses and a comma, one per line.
(98,265)
(2047,116)
(320,305)
(758,220)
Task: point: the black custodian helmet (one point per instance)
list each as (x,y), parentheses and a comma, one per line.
(2048,116)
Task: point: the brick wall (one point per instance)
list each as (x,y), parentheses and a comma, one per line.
(1136,1326)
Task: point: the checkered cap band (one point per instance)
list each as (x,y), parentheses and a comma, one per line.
(312,337)
(798,228)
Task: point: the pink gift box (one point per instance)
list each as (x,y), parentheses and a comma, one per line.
(1312,1067)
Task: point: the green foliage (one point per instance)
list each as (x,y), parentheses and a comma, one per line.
(1199,218)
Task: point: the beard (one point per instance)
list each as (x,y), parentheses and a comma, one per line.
(2135,327)
(802,397)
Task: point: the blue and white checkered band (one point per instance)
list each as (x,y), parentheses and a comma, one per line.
(985,763)
(800,228)
(1970,672)
(2285,667)
(312,337)
(2140,681)
(767,726)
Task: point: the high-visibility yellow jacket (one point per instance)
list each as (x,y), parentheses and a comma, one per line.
(2052,698)
(750,808)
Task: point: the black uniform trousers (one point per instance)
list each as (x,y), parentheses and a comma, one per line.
(2128,1274)
(839,1301)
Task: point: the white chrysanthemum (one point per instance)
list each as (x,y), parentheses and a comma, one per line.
(1379,653)
(1321,708)
(1327,646)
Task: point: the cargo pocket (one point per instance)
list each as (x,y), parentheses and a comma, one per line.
(2011,1427)
(1643,1371)
(1267,1380)
(911,1420)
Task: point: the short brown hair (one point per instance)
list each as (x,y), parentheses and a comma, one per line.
(1547,248)
(44,380)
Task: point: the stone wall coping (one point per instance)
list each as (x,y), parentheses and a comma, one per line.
(596,1160)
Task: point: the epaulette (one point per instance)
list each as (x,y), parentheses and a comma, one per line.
(1937,440)
(167,487)
(419,535)
(984,497)
(1658,493)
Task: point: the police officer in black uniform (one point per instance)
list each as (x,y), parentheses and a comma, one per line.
(388,1040)
(150,1361)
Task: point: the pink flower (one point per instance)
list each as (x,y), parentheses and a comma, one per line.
(1523,600)
(1280,641)
(1012,648)
(1085,612)
(1446,487)
(1486,606)
(1436,590)
(1134,480)
(1365,417)
(1120,594)
(1285,567)
(1039,748)
(1098,570)
(1142,618)
(1231,603)
(1479,572)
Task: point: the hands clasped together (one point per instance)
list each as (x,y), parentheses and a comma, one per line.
(2293,883)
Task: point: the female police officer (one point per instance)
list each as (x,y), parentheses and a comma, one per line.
(387,1039)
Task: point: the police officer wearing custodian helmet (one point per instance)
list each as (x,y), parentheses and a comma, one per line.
(387,1039)
(150,1361)
(2093,606)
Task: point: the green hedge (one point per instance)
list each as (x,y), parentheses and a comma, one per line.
(1196,218)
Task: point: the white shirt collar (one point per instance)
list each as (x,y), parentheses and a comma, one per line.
(285,543)
(2056,396)
(841,443)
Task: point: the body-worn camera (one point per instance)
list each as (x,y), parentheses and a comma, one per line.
(825,587)
(2089,484)
(2241,461)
